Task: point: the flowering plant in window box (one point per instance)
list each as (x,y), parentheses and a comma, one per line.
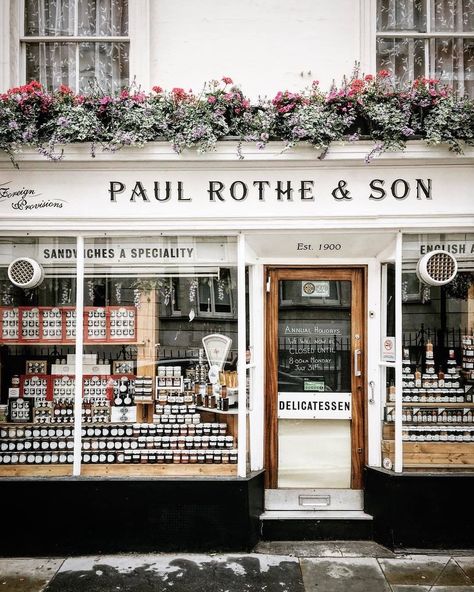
(363,107)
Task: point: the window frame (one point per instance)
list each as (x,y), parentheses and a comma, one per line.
(76,39)
(428,37)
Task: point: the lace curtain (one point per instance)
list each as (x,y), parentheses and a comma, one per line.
(450,59)
(77,64)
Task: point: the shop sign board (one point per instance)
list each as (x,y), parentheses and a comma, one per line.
(314,405)
(294,191)
(113,252)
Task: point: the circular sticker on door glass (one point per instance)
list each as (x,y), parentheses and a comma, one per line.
(308,288)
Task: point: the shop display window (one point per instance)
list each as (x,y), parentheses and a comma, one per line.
(159,357)
(438,353)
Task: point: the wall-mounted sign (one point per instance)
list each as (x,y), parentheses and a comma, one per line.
(315,289)
(208,192)
(314,405)
(388,349)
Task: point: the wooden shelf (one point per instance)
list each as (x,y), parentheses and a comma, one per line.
(120,470)
(432,404)
(432,454)
(218,411)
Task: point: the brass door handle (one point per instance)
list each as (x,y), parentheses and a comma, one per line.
(357,370)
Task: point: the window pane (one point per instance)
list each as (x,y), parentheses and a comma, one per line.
(51,64)
(404,58)
(453,15)
(103,17)
(438,358)
(401,15)
(37,345)
(49,17)
(146,399)
(105,63)
(454,63)
(222,292)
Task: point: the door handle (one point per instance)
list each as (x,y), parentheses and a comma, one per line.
(372,392)
(357,370)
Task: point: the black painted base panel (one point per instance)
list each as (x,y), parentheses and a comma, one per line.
(421,510)
(316,530)
(43,517)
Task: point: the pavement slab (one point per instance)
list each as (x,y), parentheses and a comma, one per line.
(27,575)
(164,573)
(452,589)
(411,588)
(299,548)
(324,549)
(360,574)
(467,565)
(414,569)
(453,575)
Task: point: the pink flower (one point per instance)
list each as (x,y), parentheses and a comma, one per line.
(179,93)
(368,78)
(211,99)
(384,74)
(157,89)
(245,103)
(227,80)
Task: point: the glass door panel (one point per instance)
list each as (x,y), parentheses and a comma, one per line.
(314,371)
(315,386)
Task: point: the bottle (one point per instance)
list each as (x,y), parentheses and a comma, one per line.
(417,378)
(441,378)
(429,350)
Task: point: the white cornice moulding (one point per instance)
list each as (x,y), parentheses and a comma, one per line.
(275,153)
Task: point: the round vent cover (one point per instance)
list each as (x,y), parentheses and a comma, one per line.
(25,273)
(437,268)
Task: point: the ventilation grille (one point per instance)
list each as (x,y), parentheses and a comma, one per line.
(25,273)
(437,268)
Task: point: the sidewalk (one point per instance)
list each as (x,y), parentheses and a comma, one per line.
(273,567)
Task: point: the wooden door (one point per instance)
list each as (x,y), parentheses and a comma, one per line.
(336,296)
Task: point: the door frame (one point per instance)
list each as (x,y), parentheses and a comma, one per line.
(357,274)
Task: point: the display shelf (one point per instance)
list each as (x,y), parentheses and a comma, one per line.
(434,405)
(36,470)
(431,454)
(55,325)
(156,470)
(124,470)
(218,411)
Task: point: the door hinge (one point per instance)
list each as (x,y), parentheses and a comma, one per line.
(269,283)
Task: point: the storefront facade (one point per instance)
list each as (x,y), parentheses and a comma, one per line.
(237,343)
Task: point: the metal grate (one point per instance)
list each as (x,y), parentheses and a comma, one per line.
(441,267)
(21,272)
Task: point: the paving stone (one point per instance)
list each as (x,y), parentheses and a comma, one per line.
(299,548)
(467,565)
(363,549)
(360,574)
(27,575)
(164,573)
(452,589)
(414,569)
(411,588)
(453,575)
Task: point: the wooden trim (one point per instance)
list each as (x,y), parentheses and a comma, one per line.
(120,470)
(357,275)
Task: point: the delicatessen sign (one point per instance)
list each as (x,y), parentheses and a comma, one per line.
(316,405)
